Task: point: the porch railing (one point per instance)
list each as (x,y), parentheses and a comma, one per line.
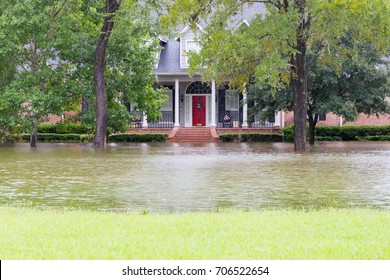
(237,124)
(166,121)
(261,124)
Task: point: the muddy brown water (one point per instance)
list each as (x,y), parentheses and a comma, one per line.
(205,177)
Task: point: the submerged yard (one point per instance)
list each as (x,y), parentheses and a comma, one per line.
(30,233)
(214,201)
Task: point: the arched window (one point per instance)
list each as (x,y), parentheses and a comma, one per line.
(198,88)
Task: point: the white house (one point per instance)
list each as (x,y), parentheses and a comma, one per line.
(194,103)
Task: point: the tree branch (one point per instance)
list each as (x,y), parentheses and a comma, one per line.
(60,9)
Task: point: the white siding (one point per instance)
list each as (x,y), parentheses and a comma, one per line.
(184,38)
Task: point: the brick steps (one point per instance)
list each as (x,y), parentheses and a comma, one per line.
(192,134)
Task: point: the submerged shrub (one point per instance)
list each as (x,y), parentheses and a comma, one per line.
(344,133)
(138,138)
(52,137)
(251,137)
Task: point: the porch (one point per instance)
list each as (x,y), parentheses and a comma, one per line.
(197,104)
(167,121)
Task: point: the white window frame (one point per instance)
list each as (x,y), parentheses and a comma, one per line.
(197,49)
(230,97)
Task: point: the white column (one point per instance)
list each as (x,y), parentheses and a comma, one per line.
(144,120)
(341,120)
(213,104)
(282,120)
(177,102)
(244,110)
(277,118)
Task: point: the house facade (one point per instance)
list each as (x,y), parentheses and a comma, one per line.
(192,102)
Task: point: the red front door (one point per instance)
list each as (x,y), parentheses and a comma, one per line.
(199,110)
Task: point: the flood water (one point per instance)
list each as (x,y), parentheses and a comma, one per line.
(184,177)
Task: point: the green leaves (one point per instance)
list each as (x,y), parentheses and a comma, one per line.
(47,54)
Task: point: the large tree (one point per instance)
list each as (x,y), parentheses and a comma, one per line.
(33,87)
(48,53)
(111,7)
(362,85)
(114,42)
(273,47)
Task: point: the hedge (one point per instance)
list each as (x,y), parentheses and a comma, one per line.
(344,133)
(374,138)
(251,137)
(327,138)
(352,133)
(54,137)
(63,128)
(138,138)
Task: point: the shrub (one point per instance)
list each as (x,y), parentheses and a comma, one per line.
(328,138)
(63,128)
(139,138)
(345,133)
(229,137)
(251,137)
(52,137)
(288,133)
(86,138)
(374,138)
(352,133)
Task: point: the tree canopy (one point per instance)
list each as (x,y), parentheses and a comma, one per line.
(47,59)
(272,48)
(35,78)
(362,87)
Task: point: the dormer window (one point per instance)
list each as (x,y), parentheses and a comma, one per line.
(188,43)
(191,46)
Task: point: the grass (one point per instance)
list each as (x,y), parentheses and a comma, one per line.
(30,233)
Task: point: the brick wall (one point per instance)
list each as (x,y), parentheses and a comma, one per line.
(334,120)
(371,120)
(53,119)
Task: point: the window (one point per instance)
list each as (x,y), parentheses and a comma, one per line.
(198,88)
(322,117)
(232,102)
(131,106)
(167,106)
(192,46)
(271,118)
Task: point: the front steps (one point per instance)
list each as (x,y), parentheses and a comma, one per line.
(192,135)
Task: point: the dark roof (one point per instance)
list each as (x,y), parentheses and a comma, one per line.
(170,58)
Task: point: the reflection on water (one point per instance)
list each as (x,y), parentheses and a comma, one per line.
(175,177)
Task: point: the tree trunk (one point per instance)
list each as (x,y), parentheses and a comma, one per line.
(300,102)
(299,84)
(34,118)
(100,138)
(34,132)
(312,126)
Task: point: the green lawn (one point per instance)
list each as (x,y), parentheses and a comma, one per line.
(29,233)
